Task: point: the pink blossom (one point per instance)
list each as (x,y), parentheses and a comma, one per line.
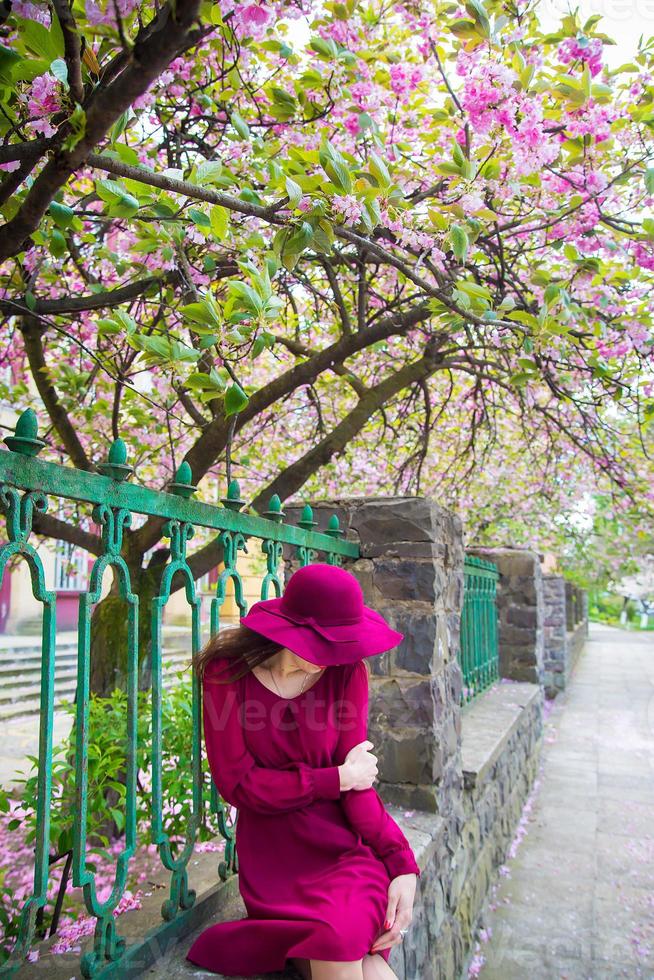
(254,15)
(347,206)
(584,49)
(32,11)
(42,102)
(643,254)
(105,14)
(404,79)
(352,125)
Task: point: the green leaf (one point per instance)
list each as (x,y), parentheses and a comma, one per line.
(118,817)
(120,125)
(8,59)
(551,294)
(120,203)
(209,172)
(449,169)
(293,191)
(199,218)
(379,170)
(57,244)
(240,125)
(61,214)
(119,322)
(476,11)
(59,69)
(205,312)
(246,297)
(45,42)
(219,221)
(464,28)
(324,47)
(491,169)
(235,400)
(649,180)
(460,242)
(335,167)
(212,383)
(258,346)
(339,175)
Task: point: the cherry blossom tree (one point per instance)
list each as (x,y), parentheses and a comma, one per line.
(331,246)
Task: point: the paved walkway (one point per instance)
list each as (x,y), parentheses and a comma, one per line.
(577,899)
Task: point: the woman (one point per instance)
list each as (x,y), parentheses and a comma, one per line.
(326,875)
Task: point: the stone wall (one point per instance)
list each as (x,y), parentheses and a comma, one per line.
(555,644)
(565,631)
(520,607)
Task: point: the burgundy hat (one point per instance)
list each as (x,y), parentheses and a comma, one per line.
(322,618)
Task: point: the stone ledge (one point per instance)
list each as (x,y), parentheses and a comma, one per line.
(487,724)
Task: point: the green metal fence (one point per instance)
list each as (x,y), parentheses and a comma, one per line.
(479,652)
(25,485)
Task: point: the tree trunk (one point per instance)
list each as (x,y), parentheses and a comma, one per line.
(109,630)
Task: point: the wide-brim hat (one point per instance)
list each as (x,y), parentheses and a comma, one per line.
(322,618)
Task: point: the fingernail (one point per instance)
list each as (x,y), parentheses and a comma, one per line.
(387,924)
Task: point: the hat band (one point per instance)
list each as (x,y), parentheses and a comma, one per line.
(312,622)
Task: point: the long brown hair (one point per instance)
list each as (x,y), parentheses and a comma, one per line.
(244,646)
(238,643)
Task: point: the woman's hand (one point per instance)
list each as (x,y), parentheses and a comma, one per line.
(399,912)
(359,770)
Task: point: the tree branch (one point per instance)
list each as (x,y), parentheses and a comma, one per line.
(52,527)
(184,187)
(81,304)
(303,350)
(30,150)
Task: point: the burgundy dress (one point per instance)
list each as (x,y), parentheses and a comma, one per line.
(314,862)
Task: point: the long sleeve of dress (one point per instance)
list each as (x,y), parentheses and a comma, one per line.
(239,780)
(364,808)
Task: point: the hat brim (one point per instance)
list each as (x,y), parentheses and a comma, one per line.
(347,643)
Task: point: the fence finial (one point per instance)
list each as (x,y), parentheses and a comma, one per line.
(233,499)
(26,440)
(333,527)
(117,466)
(306,519)
(275,512)
(182,485)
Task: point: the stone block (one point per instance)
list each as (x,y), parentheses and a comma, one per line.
(399,702)
(404,579)
(526,616)
(418,652)
(406,756)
